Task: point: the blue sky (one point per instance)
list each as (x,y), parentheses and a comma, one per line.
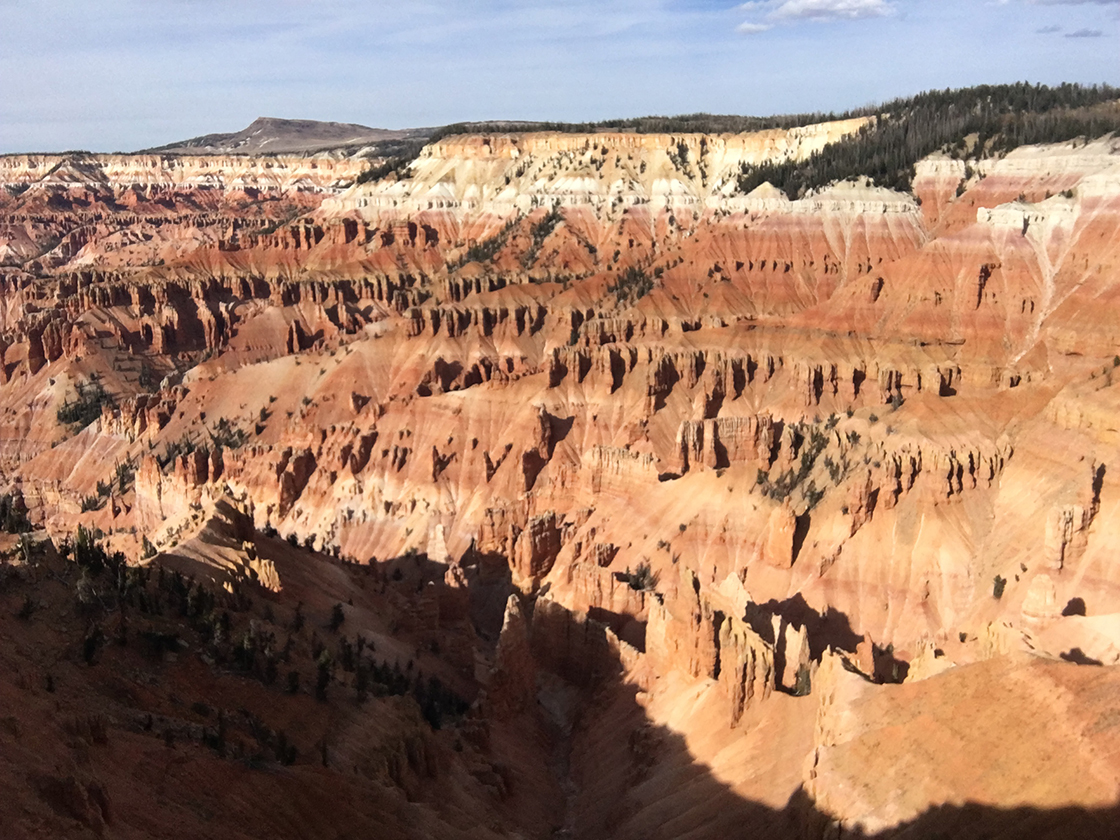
(126,74)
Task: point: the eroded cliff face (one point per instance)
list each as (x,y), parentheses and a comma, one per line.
(146,171)
(696,473)
(505,173)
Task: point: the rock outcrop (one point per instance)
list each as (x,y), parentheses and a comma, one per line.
(596,431)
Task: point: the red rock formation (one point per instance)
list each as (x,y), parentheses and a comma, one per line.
(512,684)
(705,437)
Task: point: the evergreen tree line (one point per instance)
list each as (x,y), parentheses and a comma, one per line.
(208,612)
(398,156)
(907,129)
(699,123)
(1002,117)
(1019,97)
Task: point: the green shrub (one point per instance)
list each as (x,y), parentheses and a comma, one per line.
(27,609)
(539,232)
(82,411)
(227,436)
(13,515)
(323,674)
(337,617)
(124,473)
(641,579)
(803,684)
(174,449)
(487,249)
(631,286)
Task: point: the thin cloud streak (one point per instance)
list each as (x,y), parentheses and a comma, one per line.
(749,28)
(824,10)
(770,12)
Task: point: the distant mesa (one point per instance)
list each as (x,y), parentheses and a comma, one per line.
(271,135)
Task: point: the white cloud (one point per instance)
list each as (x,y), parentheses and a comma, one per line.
(831,10)
(767,13)
(749,28)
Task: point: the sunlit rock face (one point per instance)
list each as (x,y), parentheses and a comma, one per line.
(796,499)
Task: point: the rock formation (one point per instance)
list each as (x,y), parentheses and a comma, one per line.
(667,476)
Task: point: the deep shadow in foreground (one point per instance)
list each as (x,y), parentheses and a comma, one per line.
(689,802)
(634,779)
(679,798)
(108,745)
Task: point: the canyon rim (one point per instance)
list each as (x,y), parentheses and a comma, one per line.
(682,477)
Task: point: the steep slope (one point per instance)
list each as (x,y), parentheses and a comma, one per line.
(675,485)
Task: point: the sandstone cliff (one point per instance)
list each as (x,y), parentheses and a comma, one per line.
(667,471)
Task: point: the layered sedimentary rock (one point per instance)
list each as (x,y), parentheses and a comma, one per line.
(722,464)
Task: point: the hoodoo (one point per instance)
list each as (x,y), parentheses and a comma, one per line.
(597,483)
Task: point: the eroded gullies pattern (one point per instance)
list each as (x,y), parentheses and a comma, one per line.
(713,442)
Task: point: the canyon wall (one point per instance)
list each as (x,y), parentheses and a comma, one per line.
(757,460)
